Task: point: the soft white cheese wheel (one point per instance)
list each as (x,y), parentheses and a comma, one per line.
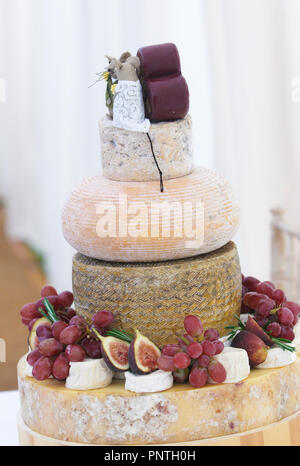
(157,381)
(88,375)
(135,222)
(277,357)
(296,330)
(235,362)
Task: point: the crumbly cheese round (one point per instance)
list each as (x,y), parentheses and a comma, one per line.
(127,155)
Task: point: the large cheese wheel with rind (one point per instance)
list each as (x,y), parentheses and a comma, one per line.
(114,416)
(155,297)
(127,156)
(135,222)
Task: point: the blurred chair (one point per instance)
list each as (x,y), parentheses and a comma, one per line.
(285,255)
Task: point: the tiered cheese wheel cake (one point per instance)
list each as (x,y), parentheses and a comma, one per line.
(153,240)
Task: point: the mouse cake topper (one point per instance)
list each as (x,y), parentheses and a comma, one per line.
(144,89)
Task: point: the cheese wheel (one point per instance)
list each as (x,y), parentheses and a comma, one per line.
(135,222)
(114,416)
(155,297)
(127,155)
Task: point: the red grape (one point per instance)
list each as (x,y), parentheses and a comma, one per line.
(279,297)
(79,321)
(294,307)
(265,288)
(251,283)
(166,363)
(33,356)
(219,346)
(244,290)
(58,327)
(70,312)
(193,325)
(170,350)
(208,348)
(50,347)
(28,313)
(252,299)
(271,285)
(198,377)
(274,329)
(42,368)
(66,298)
(92,348)
(75,353)
(195,350)
(61,367)
(285,316)
(203,361)
(70,335)
(265,307)
(182,360)
(181,375)
(217,372)
(43,332)
(103,318)
(287,333)
(211,334)
(48,290)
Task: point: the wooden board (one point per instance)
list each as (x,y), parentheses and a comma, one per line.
(284,433)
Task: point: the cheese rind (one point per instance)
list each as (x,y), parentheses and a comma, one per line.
(156,297)
(114,416)
(135,222)
(127,156)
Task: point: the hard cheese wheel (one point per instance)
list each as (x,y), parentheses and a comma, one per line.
(113,415)
(135,222)
(155,297)
(127,156)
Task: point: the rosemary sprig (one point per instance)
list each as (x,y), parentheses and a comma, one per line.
(50,313)
(234,329)
(120,334)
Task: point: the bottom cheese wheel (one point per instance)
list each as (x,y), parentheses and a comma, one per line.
(115,416)
(155,297)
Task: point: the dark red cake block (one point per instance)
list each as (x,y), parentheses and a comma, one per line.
(167,94)
(159,60)
(168,98)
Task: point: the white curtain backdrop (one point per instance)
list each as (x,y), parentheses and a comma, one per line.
(240,58)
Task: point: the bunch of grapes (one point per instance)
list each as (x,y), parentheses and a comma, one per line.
(66,337)
(271,309)
(191,359)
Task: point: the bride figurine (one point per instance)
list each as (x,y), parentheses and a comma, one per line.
(128,106)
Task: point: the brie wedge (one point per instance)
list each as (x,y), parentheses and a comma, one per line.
(88,375)
(277,357)
(235,362)
(154,382)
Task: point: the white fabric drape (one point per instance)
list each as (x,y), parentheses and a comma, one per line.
(49,52)
(239,57)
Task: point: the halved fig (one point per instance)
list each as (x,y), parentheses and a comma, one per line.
(33,340)
(143,355)
(253,327)
(115,353)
